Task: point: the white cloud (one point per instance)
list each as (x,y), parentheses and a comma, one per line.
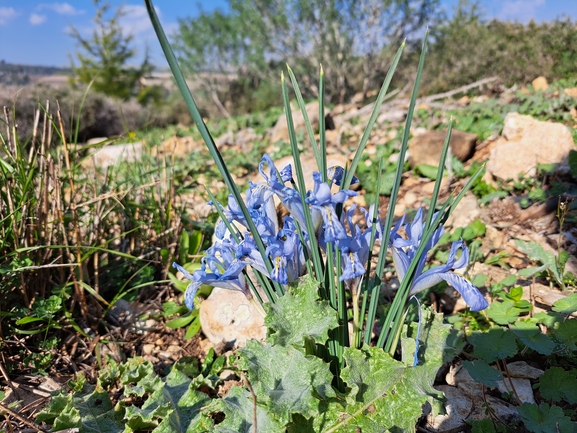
(7,14)
(520,10)
(61,8)
(135,20)
(37,19)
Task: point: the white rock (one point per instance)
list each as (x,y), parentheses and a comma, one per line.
(523,370)
(522,387)
(227,316)
(111,155)
(526,142)
(466,212)
(458,408)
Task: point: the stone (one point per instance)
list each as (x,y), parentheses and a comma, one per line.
(426,148)
(571,92)
(226,139)
(358,98)
(522,387)
(113,154)
(228,317)
(526,142)
(279,131)
(523,370)
(147,349)
(458,407)
(502,410)
(410,199)
(540,83)
(466,212)
(465,383)
(180,147)
(464,100)
(393,116)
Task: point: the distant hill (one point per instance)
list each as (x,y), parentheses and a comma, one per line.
(13,74)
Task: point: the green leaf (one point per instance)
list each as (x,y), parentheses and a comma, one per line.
(548,318)
(483,426)
(182,321)
(573,163)
(300,314)
(239,410)
(384,393)
(173,406)
(285,380)
(566,305)
(515,294)
(566,333)
(90,409)
(545,418)
(476,229)
(493,345)
(426,170)
(183,247)
(531,270)
(481,372)
(530,335)
(503,312)
(559,385)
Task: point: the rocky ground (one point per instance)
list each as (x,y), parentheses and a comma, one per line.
(524,143)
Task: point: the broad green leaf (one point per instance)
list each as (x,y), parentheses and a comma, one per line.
(559,385)
(530,335)
(566,333)
(531,270)
(286,381)
(545,418)
(298,314)
(515,293)
(496,344)
(476,229)
(426,170)
(483,373)
(90,410)
(384,393)
(174,406)
(548,318)
(566,305)
(504,312)
(483,426)
(239,410)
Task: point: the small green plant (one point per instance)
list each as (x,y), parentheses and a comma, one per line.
(190,245)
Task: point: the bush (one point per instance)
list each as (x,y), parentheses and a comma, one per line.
(468,49)
(101,116)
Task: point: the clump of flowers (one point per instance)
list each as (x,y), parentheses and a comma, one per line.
(288,242)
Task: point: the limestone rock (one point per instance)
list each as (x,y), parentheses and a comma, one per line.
(527,142)
(178,146)
(523,370)
(458,408)
(280,130)
(111,155)
(571,92)
(522,387)
(426,148)
(227,316)
(466,212)
(540,83)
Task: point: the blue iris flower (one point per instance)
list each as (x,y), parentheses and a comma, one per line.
(324,202)
(404,251)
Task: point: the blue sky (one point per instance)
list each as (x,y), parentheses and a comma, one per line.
(35,32)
